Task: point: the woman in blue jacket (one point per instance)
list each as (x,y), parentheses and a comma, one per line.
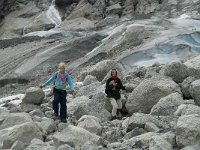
(61,80)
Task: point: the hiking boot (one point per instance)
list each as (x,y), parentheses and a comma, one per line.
(63,120)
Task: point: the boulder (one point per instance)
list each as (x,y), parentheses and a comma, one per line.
(187,109)
(74,136)
(142,99)
(77,24)
(28,107)
(86,8)
(11,119)
(77,107)
(139,120)
(90,124)
(24,132)
(188,130)
(185,85)
(135,132)
(114,10)
(194,66)
(47,125)
(140,141)
(33,96)
(193,147)
(89,80)
(89,90)
(65,147)
(160,143)
(89,146)
(176,70)
(37,112)
(101,69)
(37,144)
(194,91)
(151,127)
(166,106)
(18,145)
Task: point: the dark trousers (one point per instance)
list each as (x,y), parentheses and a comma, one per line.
(60,97)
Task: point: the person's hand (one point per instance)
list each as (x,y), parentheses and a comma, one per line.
(74,94)
(113,82)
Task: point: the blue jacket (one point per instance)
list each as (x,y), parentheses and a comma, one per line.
(60,81)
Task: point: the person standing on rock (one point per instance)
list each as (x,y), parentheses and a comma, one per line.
(113,87)
(61,79)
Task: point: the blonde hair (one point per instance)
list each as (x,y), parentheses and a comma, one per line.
(62,64)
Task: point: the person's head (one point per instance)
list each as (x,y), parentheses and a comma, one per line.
(61,67)
(114,72)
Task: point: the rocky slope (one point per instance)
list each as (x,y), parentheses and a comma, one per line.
(155,46)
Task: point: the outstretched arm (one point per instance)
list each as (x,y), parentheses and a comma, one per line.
(69,81)
(50,80)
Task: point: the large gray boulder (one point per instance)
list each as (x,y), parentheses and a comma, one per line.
(159,143)
(24,132)
(166,106)
(194,91)
(18,145)
(33,95)
(74,136)
(139,120)
(149,92)
(187,109)
(188,130)
(89,80)
(176,70)
(192,147)
(185,86)
(77,107)
(101,69)
(47,126)
(91,124)
(194,66)
(37,144)
(11,119)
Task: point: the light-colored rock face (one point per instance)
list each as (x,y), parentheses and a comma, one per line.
(160,143)
(74,136)
(90,125)
(185,85)
(142,99)
(37,144)
(188,130)
(33,96)
(24,132)
(89,80)
(187,109)
(47,126)
(177,71)
(168,105)
(195,147)
(11,119)
(77,24)
(194,91)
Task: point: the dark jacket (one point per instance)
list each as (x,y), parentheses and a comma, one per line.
(112,91)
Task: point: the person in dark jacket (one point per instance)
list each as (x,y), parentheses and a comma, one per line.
(113,87)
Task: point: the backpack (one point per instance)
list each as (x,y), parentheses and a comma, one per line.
(66,75)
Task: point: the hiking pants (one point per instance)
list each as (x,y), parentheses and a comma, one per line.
(60,97)
(117,104)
